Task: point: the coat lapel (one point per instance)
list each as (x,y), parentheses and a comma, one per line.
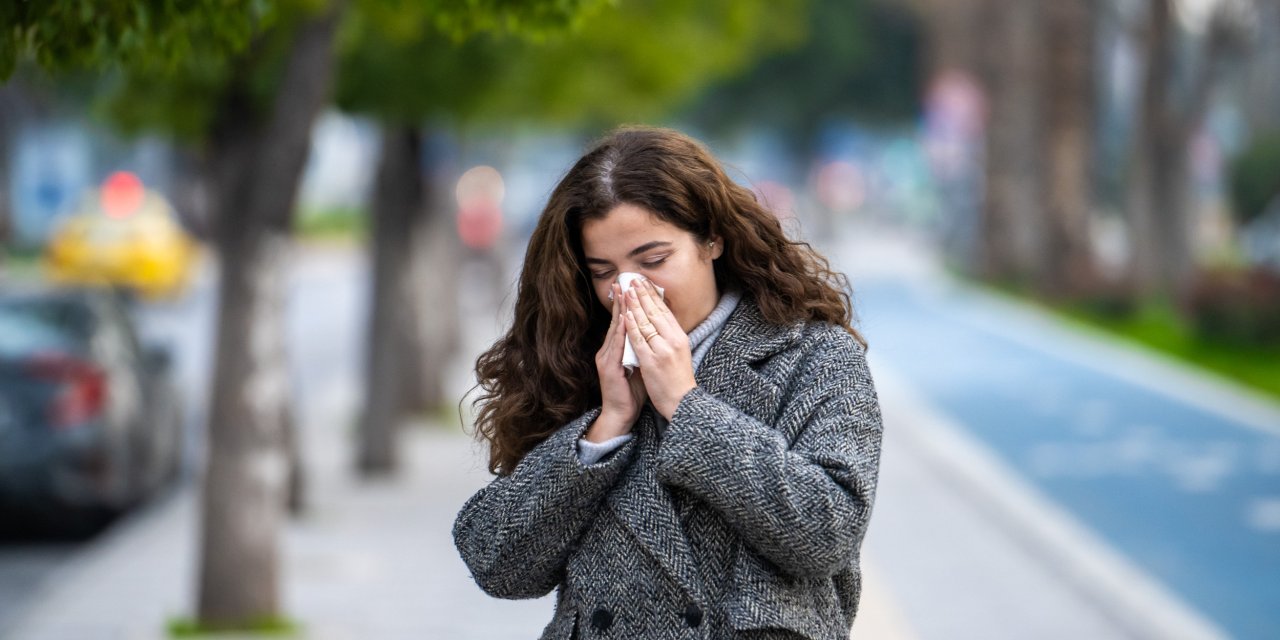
(728,372)
(645,504)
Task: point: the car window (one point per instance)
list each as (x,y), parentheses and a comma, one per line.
(35,325)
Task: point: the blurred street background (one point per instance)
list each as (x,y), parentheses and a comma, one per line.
(251,249)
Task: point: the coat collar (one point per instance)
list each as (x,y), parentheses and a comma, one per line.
(729,370)
(748,337)
(645,504)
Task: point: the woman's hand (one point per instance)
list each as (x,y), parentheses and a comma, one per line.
(621,397)
(661,346)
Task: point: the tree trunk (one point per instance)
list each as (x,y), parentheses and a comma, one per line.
(1161,228)
(1012,218)
(431,336)
(1152,157)
(256,173)
(1171,204)
(1261,83)
(398,201)
(954,29)
(1144,259)
(954,54)
(6,216)
(10,116)
(1069,266)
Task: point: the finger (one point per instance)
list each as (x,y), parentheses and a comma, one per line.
(619,341)
(634,305)
(643,352)
(615,316)
(654,309)
(660,315)
(661,303)
(617,338)
(614,312)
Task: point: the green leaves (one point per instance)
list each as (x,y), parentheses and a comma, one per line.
(558,61)
(61,35)
(525,18)
(637,60)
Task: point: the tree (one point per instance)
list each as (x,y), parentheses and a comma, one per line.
(1035,64)
(402,70)
(214,73)
(1161,260)
(257,159)
(1039,195)
(595,72)
(1069,268)
(1011,246)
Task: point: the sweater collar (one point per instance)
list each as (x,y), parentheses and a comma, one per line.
(715,321)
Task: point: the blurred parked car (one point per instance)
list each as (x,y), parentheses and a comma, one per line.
(90,420)
(125,235)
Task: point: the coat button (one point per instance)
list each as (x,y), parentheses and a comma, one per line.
(602,619)
(693,615)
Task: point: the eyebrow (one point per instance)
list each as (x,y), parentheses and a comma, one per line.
(636,251)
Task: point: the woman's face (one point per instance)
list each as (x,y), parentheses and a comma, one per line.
(630,238)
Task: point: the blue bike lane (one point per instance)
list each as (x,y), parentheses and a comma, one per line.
(1188,491)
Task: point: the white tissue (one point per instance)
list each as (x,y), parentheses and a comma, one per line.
(629,360)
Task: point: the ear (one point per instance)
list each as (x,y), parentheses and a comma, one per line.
(717,248)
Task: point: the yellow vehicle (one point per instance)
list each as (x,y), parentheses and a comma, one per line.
(123,235)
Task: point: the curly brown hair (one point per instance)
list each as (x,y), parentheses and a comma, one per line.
(541,374)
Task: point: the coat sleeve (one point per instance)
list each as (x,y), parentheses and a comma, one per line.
(803,507)
(516,533)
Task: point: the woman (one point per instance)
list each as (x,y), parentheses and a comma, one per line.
(721,490)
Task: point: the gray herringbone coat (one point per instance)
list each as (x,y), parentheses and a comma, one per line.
(743,519)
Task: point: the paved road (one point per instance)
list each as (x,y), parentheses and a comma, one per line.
(1179,475)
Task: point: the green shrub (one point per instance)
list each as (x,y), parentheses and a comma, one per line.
(1112,300)
(276,627)
(1236,306)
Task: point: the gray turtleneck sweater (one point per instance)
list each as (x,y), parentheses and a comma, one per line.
(700,341)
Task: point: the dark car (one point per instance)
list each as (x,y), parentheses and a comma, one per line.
(90,421)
